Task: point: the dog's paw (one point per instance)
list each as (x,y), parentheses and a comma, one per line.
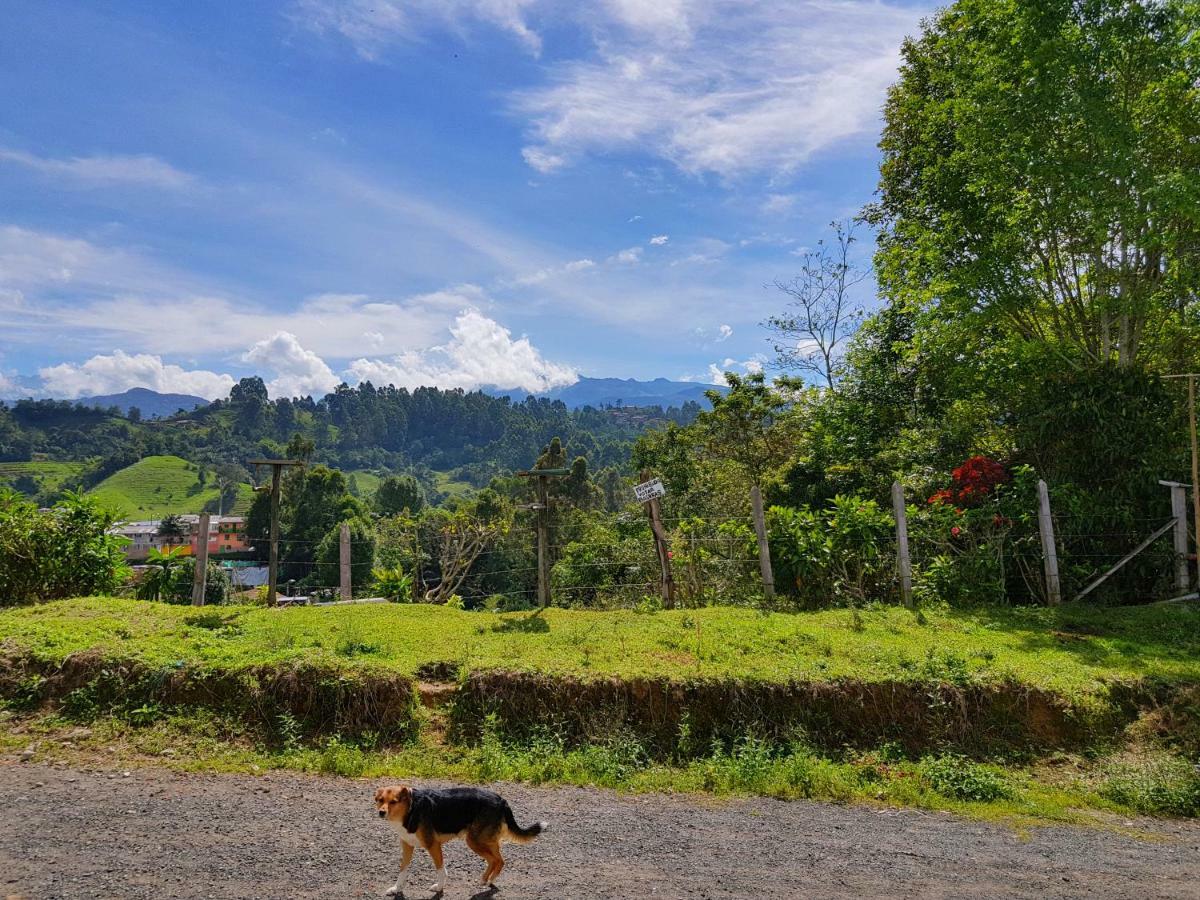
(395,891)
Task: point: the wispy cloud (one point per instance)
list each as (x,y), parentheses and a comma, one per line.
(94,171)
(659,239)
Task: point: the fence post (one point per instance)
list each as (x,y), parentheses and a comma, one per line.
(903,561)
(667,580)
(764,551)
(1179,511)
(344,559)
(199,580)
(1049,550)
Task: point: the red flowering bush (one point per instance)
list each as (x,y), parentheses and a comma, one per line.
(973,482)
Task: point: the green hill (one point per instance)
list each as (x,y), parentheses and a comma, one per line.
(159,485)
(38,475)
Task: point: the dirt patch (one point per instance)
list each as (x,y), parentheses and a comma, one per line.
(681,718)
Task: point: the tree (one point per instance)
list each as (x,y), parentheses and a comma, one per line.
(230,477)
(65,551)
(1039,173)
(159,578)
(825,312)
(134,415)
(179,586)
(172,529)
(397,494)
(740,425)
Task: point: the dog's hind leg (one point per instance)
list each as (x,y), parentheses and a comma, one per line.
(485,851)
(397,889)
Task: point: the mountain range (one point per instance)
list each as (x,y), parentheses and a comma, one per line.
(600,392)
(151,404)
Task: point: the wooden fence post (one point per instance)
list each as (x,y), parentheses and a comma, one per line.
(764,551)
(200,579)
(667,583)
(1179,511)
(1049,550)
(543,540)
(903,561)
(344,559)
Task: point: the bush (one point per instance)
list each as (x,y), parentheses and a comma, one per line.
(1164,785)
(179,590)
(62,552)
(958,778)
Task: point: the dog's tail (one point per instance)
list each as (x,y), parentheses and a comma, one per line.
(516,832)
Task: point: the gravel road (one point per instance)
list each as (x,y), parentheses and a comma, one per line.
(156,834)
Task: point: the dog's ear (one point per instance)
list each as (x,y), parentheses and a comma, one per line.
(404,793)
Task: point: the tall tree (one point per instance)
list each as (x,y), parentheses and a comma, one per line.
(1039,173)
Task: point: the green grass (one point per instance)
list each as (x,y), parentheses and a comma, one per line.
(160,485)
(451,486)
(48,475)
(1074,652)
(368,482)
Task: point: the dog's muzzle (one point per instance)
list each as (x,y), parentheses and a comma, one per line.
(383,814)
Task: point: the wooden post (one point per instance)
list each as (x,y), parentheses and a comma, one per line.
(273,559)
(667,581)
(1049,550)
(416,574)
(344,559)
(1179,511)
(903,561)
(199,581)
(1195,464)
(764,551)
(543,540)
(277,466)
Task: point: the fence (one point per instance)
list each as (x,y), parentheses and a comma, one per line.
(909,553)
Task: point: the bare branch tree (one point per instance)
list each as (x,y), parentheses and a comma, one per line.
(823,312)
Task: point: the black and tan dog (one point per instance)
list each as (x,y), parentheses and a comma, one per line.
(431,818)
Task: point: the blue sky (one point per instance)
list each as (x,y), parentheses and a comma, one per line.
(455,192)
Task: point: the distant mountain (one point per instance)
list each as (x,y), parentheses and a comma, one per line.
(624,392)
(152,404)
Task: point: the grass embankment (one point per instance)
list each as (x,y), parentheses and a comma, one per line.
(161,485)
(721,700)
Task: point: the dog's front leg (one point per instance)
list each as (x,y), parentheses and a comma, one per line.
(397,889)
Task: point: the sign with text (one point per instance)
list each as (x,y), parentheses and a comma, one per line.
(648,490)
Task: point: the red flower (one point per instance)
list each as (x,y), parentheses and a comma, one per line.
(955,531)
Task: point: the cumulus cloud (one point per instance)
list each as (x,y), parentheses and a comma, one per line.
(726,333)
(629,255)
(91,171)
(298,372)
(119,371)
(716,371)
(659,239)
(480,352)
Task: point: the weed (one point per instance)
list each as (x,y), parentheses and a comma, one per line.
(1162,785)
(958,778)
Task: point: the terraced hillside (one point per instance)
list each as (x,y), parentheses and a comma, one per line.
(159,485)
(33,477)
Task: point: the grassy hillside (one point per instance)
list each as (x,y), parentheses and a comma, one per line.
(46,475)
(159,485)
(450,486)
(367,481)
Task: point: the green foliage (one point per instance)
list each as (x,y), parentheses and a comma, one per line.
(1160,785)
(157,486)
(362,554)
(158,581)
(393,583)
(60,552)
(399,494)
(216,583)
(960,779)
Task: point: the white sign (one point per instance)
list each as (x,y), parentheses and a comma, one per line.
(648,490)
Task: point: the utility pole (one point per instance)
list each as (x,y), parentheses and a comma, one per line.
(1191,380)
(542,508)
(199,579)
(277,467)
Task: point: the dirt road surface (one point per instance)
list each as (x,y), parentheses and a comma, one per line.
(157,834)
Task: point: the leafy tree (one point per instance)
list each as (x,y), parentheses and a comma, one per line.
(61,552)
(172,529)
(397,494)
(740,425)
(1039,173)
(393,583)
(158,581)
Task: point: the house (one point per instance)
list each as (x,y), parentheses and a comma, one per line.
(226,534)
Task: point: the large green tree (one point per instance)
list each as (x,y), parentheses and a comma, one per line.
(1040,172)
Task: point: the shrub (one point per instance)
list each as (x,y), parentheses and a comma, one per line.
(958,778)
(1163,785)
(394,584)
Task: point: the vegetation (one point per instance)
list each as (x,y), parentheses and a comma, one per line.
(157,486)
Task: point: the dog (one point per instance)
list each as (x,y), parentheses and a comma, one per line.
(431,818)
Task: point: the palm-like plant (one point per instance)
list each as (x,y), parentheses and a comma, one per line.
(157,579)
(394,584)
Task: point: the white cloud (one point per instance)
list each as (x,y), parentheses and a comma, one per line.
(716,371)
(299,372)
(578,265)
(372,25)
(541,275)
(120,371)
(630,255)
(542,160)
(778,204)
(480,352)
(149,171)
(659,239)
(726,333)
(726,88)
